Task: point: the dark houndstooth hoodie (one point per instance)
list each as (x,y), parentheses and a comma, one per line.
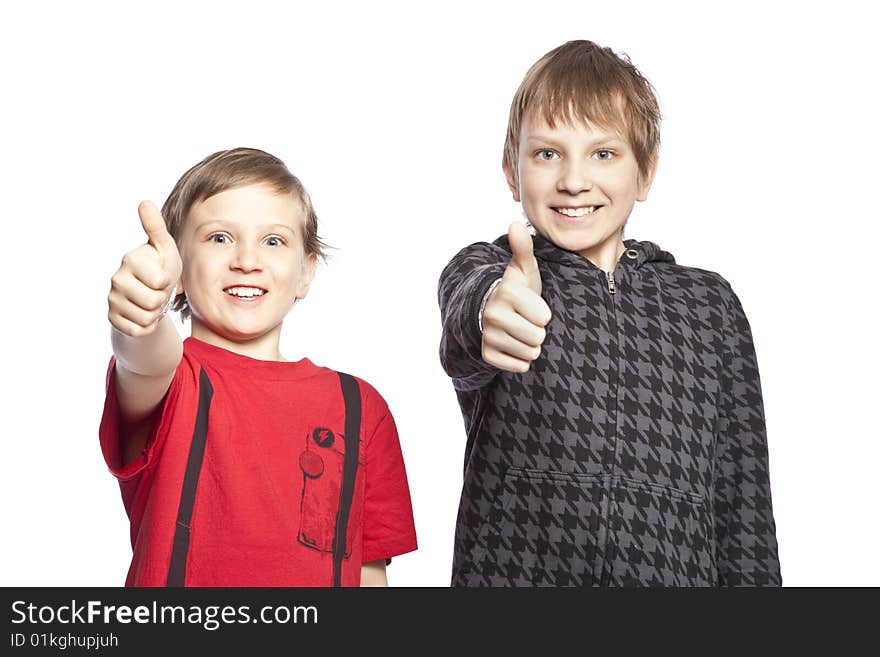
(633,452)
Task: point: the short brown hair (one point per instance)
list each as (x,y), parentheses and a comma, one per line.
(581,80)
(228,169)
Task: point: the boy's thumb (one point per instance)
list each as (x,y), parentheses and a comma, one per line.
(154,225)
(523,254)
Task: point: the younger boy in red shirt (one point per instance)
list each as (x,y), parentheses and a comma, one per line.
(237,467)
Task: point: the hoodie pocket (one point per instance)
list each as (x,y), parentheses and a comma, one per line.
(660,536)
(543,531)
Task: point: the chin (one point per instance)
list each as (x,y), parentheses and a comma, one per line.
(581,242)
(573,242)
(248,335)
(237,333)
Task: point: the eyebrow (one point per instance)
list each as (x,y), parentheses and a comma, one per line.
(222,223)
(605,139)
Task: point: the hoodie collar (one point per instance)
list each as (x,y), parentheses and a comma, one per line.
(635,256)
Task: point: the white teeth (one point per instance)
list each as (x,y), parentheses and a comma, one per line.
(576,212)
(245,292)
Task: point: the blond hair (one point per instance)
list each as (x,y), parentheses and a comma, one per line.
(228,169)
(580,80)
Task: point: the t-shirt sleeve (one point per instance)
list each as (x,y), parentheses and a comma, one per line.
(388,527)
(109,431)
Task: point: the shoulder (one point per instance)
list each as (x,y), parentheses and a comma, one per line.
(373,404)
(376,417)
(372,399)
(188,369)
(705,288)
(484,252)
(678,275)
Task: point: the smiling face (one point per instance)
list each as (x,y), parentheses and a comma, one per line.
(577,185)
(244,266)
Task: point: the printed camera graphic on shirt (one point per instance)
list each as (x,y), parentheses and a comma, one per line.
(321,463)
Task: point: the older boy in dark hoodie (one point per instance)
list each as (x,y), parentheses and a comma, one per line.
(611,397)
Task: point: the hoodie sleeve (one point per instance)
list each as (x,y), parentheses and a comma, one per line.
(463,283)
(745,532)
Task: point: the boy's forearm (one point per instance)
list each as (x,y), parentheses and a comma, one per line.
(156,354)
(463,285)
(373,574)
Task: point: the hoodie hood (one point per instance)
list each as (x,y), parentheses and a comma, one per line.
(641,252)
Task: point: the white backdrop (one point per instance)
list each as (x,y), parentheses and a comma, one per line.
(394,115)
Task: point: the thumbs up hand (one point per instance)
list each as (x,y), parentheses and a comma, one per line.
(515,315)
(146,279)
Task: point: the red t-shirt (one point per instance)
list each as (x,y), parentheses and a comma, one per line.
(239,482)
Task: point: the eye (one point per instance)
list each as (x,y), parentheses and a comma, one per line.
(274,240)
(604,154)
(546,154)
(219,238)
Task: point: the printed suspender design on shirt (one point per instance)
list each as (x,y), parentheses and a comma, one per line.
(180,549)
(352,397)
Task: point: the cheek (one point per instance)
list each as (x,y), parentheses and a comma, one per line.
(195,270)
(533,186)
(200,273)
(284,271)
(622,183)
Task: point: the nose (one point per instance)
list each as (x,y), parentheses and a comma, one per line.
(245,258)
(574,178)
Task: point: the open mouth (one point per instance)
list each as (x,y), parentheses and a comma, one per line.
(244,292)
(574,213)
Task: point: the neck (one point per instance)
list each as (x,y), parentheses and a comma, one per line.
(263,347)
(606,254)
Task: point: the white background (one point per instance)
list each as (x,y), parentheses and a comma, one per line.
(393,116)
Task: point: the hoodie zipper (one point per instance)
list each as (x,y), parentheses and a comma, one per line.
(613,385)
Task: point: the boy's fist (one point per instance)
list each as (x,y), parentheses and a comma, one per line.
(146,279)
(515,315)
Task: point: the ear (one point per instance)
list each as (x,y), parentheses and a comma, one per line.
(179,289)
(307,273)
(646,182)
(511,181)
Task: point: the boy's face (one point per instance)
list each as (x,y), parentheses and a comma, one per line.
(577,185)
(244,264)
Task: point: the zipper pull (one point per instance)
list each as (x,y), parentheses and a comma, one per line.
(609,276)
